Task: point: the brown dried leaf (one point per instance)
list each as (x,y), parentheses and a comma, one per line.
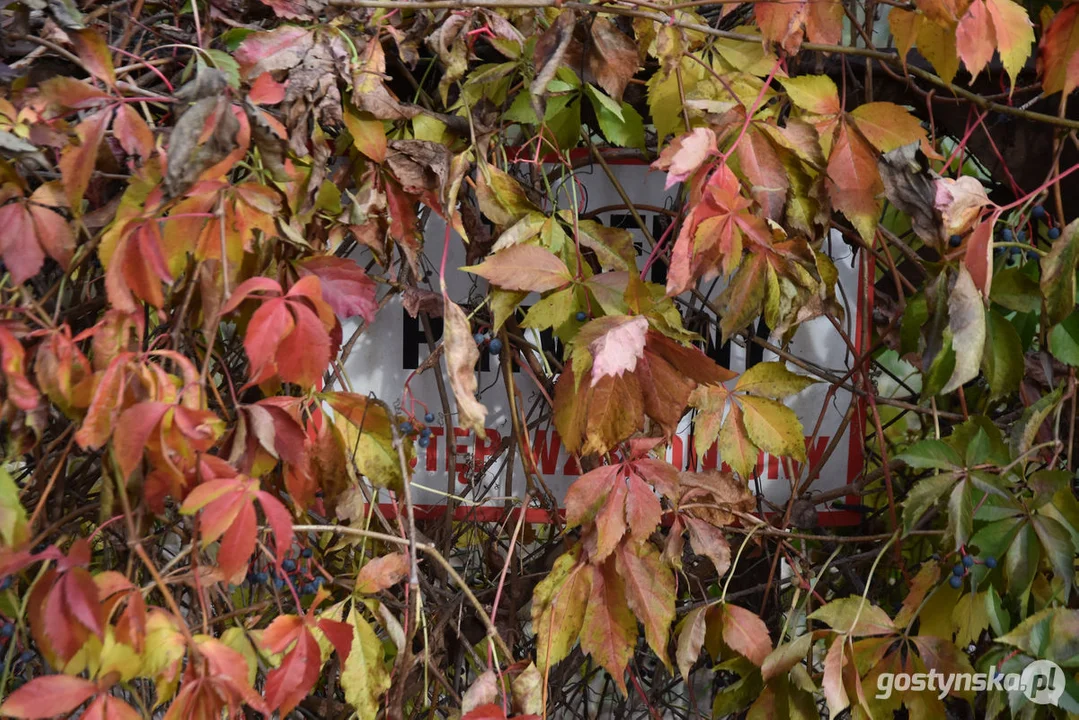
(461,358)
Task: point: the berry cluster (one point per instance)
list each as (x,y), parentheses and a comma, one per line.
(306,581)
(963,567)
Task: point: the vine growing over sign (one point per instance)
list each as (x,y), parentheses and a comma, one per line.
(205,207)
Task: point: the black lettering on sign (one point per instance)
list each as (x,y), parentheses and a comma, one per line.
(412,339)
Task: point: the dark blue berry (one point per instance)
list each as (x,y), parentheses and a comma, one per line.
(405,428)
(429,418)
(968,560)
(1038,212)
(955,241)
(955,581)
(319,581)
(582,316)
(1006,235)
(261,577)
(279,583)
(288,565)
(1053,233)
(26,656)
(1021,236)
(495,347)
(8,630)
(990,562)
(424,441)
(308,589)
(426,432)
(307,552)
(479,338)
(958,570)
(5,583)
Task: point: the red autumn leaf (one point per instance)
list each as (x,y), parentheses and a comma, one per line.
(293,679)
(789,23)
(1058,52)
(63,371)
(609,632)
(266,91)
(713,235)
(594,417)
(685,154)
(382,572)
(762,167)
(345,286)
(854,183)
(650,592)
(107,707)
(228,514)
(132,132)
(66,606)
(48,696)
(30,232)
(94,53)
(77,162)
(745,633)
(18,388)
(136,266)
(289,334)
(223,684)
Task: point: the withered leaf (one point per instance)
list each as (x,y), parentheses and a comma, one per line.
(909,185)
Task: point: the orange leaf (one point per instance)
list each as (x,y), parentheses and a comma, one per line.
(77,162)
(649,592)
(1058,52)
(609,631)
(523,267)
(48,696)
(745,633)
(94,53)
(975,38)
(854,182)
(382,572)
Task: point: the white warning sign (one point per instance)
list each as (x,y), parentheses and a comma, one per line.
(388,354)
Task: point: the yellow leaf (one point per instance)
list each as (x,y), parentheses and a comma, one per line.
(774,427)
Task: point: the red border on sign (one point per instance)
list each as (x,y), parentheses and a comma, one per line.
(856,428)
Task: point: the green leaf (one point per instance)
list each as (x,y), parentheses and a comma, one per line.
(551,311)
(773,427)
(1015,290)
(364,677)
(965,433)
(600,101)
(931,454)
(1064,340)
(1026,429)
(961,514)
(563,119)
(13,528)
(1057,544)
(558,605)
(504,303)
(772,380)
(923,496)
(915,316)
(1002,360)
(521,110)
(1021,561)
(966,320)
(620,123)
(1058,274)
